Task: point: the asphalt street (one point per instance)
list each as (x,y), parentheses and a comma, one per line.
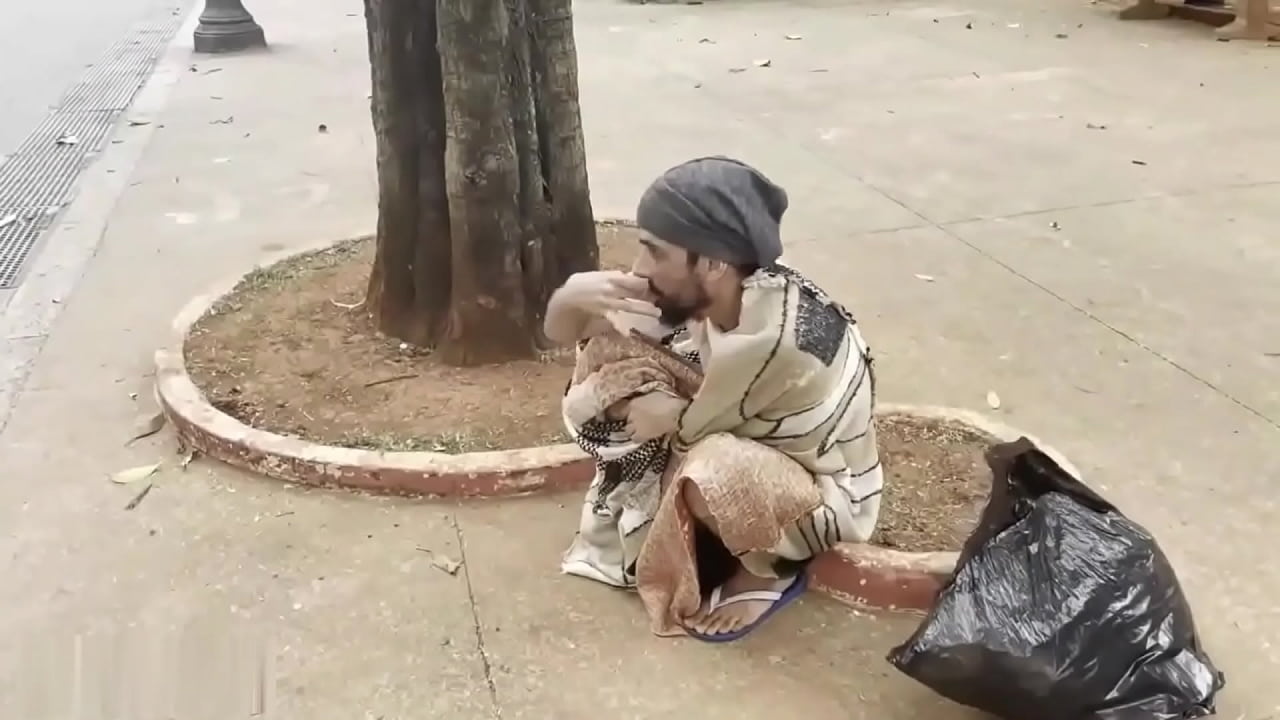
(49,49)
(104,50)
(49,44)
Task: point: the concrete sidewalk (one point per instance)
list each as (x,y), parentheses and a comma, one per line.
(1097,211)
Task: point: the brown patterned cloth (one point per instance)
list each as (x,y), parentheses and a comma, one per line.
(613,368)
(624,495)
(754,492)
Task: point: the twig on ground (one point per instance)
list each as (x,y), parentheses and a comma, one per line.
(397,378)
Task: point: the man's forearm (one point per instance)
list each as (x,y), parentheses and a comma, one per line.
(564,324)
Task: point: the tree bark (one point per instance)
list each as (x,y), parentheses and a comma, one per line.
(560,137)
(409,285)
(488,320)
(484,207)
(537,243)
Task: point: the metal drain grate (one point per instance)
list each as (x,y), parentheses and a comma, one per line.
(44,167)
(20,228)
(111,82)
(40,174)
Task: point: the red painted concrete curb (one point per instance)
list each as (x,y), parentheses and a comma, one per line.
(486,474)
(860,575)
(867,576)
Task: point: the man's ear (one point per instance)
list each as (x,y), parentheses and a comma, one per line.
(714,269)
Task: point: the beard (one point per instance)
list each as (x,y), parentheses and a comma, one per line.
(676,312)
(673,316)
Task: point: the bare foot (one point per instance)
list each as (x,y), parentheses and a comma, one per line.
(733,616)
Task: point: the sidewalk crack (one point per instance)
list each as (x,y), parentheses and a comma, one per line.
(485,662)
(1130,338)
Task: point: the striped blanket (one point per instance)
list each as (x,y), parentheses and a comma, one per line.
(777,434)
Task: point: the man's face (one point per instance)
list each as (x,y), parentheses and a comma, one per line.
(676,283)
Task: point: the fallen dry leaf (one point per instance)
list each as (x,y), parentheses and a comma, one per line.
(993,400)
(138,498)
(187,459)
(447,564)
(443,563)
(146,427)
(134,474)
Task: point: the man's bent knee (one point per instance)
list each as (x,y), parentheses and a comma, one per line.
(698,506)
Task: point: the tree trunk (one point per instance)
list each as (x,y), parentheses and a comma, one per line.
(560,137)
(537,245)
(409,285)
(483,200)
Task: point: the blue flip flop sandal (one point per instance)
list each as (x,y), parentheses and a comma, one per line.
(777,599)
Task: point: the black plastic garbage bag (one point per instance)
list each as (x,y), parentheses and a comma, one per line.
(1061,608)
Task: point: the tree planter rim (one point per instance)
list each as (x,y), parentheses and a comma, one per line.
(496,472)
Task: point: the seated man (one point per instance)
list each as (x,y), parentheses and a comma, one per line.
(781,418)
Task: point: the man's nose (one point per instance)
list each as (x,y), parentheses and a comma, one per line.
(641,267)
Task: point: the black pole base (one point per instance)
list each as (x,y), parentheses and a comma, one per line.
(225,26)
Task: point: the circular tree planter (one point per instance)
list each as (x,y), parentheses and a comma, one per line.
(217,435)
(865,576)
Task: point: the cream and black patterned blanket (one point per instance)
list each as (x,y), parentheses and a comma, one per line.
(777,434)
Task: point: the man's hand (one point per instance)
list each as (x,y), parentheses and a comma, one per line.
(607,290)
(580,304)
(654,415)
